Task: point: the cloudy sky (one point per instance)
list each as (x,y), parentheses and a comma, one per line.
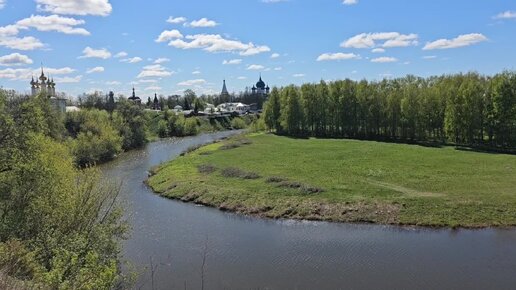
(168,46)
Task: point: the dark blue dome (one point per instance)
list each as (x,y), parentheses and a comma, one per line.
(260,84)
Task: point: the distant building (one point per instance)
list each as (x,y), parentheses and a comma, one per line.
(70,109)
(133,98)
(47,87)
(44,86)
(233,107)
(224,94)
(155,103)
(260,89)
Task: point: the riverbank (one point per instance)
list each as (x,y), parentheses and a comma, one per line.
(345,181)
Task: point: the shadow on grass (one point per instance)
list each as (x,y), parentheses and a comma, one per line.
(428,144)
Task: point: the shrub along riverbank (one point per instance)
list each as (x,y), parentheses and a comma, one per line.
(60,227)
(345,181)
(96,136)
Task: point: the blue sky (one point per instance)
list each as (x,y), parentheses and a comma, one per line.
(105,45)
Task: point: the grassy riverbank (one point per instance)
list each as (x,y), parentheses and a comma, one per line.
(345,181)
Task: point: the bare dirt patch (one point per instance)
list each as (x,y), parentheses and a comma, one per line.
(239,173)
(405,190)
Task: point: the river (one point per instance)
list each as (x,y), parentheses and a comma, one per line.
(250,253)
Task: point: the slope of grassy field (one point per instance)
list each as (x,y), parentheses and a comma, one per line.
(345,181)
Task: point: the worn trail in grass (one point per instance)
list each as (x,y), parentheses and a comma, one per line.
(346,181)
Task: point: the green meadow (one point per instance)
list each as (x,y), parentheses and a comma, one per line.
(345,181)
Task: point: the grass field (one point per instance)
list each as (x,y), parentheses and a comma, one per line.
(345,181)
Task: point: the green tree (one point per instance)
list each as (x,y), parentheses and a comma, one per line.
(272,112)
(291,111)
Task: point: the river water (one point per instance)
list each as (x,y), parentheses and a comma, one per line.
(250,253)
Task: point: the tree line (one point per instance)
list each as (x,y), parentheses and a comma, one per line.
(465,109)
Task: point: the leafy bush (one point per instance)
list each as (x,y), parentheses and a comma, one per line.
(131,122)
(176,125)
(238,123)
(162,129)
(258,125)
(61,226)
(96,138)
(190,127)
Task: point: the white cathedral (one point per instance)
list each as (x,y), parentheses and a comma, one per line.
(47,87)
(43,86)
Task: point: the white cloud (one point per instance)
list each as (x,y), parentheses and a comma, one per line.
(196,72)
(278,68)
(135,59)
(203,22)
(232,61)
(161,60)
(176,20)
(506,15)
(255,50)
(96,69)
(8,39)
(195,82)
(429,57)
(89,52)
(65,80)
(273,1)
(153,88)
(2,4)
(459,41)
(350,2)
(26,73)
(155,70)
(121,54)
(76,7)
(55,71)
(275,55)
(16,74)
(337,56)
(384,59)
(298,75)
(378,50)
(113,83)
(24,43)
(14,59)
(169,35)
(389,39)
(148,81)
(57,23)
(255,67)
(216,43)
(9,30)
(242,78)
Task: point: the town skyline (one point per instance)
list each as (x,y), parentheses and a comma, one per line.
(167,48)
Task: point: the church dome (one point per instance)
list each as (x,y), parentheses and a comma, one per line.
(260,84)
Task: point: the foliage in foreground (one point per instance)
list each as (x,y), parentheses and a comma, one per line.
(60,227)
(346,180)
